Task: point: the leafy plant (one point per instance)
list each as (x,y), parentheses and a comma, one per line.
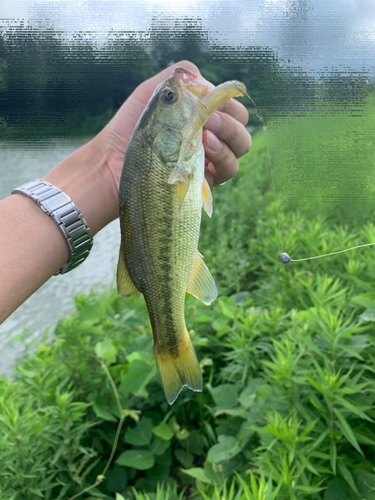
(287,355)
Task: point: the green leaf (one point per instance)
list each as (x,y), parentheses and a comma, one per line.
(363,438)
(137,377)
(215,472)
(345,472)
(226,449)
(203,319)
(136,459)
(347,431)
(194,443)
(102,412)
(197,473)
(106,351)
(239,297)
(225,396)
(366,300)
(365,482)
(163,431)
(368,315)
(308,489)
(182,434)
(96,493)
(339,490)
(117,478)
(184,457)
(219,323)
(89,313)
(159,445)
(158,473)
(119,496)
(248,395)
(141,434)
(351,407)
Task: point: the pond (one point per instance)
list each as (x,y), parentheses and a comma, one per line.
(26,160)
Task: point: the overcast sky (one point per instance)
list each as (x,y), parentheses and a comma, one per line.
(313,34)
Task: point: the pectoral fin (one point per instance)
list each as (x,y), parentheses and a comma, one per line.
(202,284)
(181,178)
(125,285)
(206,197)
(179,175)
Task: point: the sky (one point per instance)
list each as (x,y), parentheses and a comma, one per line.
(317,35)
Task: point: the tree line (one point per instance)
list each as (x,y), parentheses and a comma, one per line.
(52,84)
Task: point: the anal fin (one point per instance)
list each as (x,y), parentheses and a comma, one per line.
(202,285)
(177,371)
(125,285)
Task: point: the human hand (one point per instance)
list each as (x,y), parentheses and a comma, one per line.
(224,135)
(91,175)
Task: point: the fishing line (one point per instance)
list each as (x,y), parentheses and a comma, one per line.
(260,118)
(284,257)
(274,193)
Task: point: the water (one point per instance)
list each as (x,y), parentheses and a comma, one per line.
(27,160)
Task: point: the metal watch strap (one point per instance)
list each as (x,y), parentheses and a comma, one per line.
(65,215)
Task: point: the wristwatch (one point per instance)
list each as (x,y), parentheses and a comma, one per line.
(65,215)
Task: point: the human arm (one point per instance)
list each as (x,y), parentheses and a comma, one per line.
(32,247)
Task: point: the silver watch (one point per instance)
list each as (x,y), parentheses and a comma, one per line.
(65,215)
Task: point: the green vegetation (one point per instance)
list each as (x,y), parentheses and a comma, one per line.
(324,159)
(287,354)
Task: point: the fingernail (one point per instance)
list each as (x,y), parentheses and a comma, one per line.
(213,143)
(214,122)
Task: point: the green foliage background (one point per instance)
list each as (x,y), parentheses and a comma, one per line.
(287,354)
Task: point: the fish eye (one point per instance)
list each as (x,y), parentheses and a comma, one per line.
(169,96)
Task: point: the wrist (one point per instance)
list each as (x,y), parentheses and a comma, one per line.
(85,178)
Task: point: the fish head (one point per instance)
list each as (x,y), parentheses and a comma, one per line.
(168,111)
(174,100)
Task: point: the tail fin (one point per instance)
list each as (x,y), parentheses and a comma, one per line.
(179,370)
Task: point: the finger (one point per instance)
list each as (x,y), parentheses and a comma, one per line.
(228,130)
(236,110)
(222,162)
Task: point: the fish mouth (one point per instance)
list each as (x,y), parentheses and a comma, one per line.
(191,85)
(184,75)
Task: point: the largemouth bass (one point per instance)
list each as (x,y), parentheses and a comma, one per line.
(162,191)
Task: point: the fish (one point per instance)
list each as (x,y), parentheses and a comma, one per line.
(161,195)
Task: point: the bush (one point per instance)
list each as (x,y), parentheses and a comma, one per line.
(287,354)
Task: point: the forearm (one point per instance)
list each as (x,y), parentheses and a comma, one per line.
(32,247)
